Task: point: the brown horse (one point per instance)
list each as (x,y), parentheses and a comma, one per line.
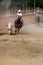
(18,24)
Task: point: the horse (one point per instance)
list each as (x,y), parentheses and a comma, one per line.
(37,19)
(18,24)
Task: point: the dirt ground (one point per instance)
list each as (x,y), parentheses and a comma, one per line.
(22,49)
(25,48)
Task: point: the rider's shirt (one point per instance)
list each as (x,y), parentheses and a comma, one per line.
(19,14)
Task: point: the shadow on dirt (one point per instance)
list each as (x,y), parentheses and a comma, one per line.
(2,34)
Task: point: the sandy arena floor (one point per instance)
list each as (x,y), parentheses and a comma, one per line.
(22,49)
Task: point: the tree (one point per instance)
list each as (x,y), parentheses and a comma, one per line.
(0,0)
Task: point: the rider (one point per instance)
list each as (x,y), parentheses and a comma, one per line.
(19,14)
(38,15)
(19,20)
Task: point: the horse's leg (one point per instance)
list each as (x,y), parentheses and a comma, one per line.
(19,27)
(38,21)
(15,30)
(18,30)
